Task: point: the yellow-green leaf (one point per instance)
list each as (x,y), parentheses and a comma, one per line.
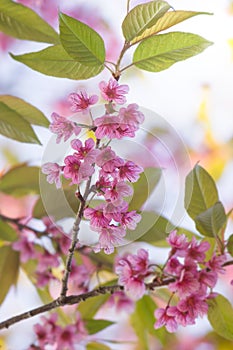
(7,233)
(142,17)
(159,52)
(169,19)
(21,22)
(56,62)
(30,113)
(81,42)
(9,269)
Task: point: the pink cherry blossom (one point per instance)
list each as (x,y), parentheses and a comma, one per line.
(53,172)
(107,126)
(86,152)
(197,250)
(104,156)
(195,305)
(165,317)
(114,212)
(130,171)
(77,171)
(112,91)
(46,259)
(216,263)
(186,285)
(120,302)
(63,127)
(178,243)
(118,191)
(131,115)
(109,238)
(132,270)
(26,247)
(96,216)
(173,266)
(130,219)
(81,102)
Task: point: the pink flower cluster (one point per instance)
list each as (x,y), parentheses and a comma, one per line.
(53,336)
(133,269)
(194,279)
(111,219)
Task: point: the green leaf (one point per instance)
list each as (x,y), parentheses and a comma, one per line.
(7,233)
(9,269)
(162,51)
(30,113)
(230,245)
(14,126)
(143,321)
(200,192)
(142,17)
(21,22)
(211,221)
(144,187)
(81,42)
(55,61)
(95,326)
(220,316)
(168,20)
(89,307)
(97,346)
(20,180)
(152,228)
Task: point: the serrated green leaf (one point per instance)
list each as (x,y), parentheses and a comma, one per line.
(159,52)
(56,62)
(200,192)
(81,42)
(220,316)
(95,326)
(142,17)
(230,245)
(30,113)
(144,187)
(7,233)
(89,307)
(168,20)
(211,221)
(152,228)
(97,346)
(20,180)
(21,22)
(14,126)
(9,270)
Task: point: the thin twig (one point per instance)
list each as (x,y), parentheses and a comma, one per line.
(20,226)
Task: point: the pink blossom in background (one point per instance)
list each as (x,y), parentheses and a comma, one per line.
(6,42)
(63,127)
(113,91)
(120,302)
(165,317)
(53,172)
(25,246)
(48,9)
(81,102)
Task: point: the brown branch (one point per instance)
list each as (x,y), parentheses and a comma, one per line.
(67,300)
(75,239)
(20,226)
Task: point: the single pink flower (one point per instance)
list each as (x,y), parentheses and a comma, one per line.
(77,171)
(216,263)
(207,279)
(110,237)
(107,126)
(197,250)
(53,172)
(165,317)
(195,305)
(112,91)
(86,152)
(104,156)
(96,216)
(131,116)
(130,219)
(81,102)
(186,285)
(63,127)
(173,266)
(130,171)
(178,243)
(118,191)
